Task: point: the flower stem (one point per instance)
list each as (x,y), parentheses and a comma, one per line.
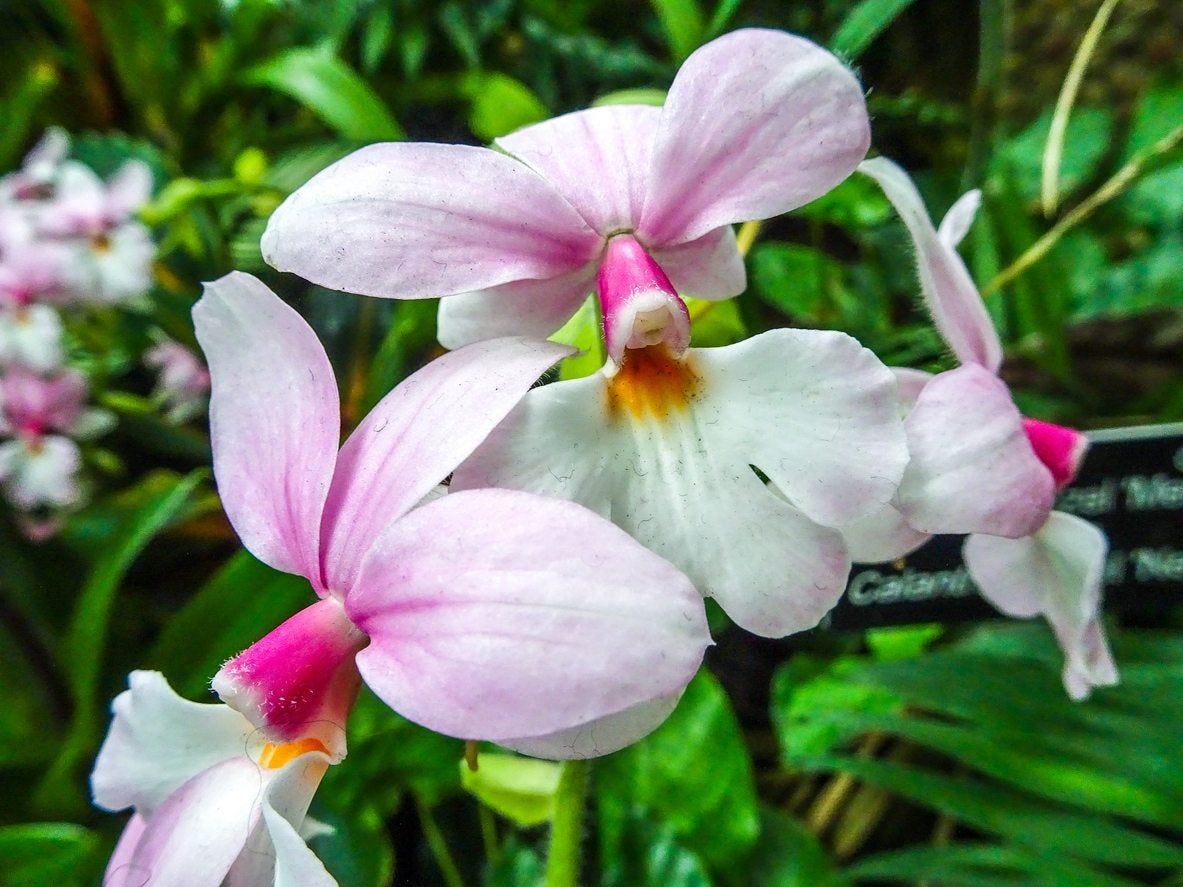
(566,831)
(438,845)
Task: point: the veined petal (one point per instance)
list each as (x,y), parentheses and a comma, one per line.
(158,741)
(412,221)
(597,159)
(275,420)
(710,267)
(496,614)
(816,412)
(194,837)
(949,292)
(533,308)
(669,474)
(416,436)
(1058,572)
(756,123)
(972,468)
(599,737)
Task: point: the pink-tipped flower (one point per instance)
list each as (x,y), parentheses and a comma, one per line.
(979,467)
(213,801)
(182,386)
(756,123)
(487,614)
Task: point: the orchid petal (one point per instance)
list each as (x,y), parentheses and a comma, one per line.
(909,384)
(128,190)
(195,836)
(119,871)
(949,292)
(496,614)
(710,267)
(414,221)
(756,123)
(599,737)
(816,412)
(597,159)
(1059,572)
(681,485)
(883,535)
(959,219)
(534,308)
(972,468)
(274,420)
(416,436)
(295,864)
(44,472)
(158,741)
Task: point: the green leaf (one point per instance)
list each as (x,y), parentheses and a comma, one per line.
(357,851)
(654,97)
(20,106)
(863,24)
(500,105)
(582,331)
(683,23)
(786,855)
(46,854)
(160,498)
(793,279)
(1020,160)
(1158,198)
(244,600)
(650,855)
(714,324)
(331,90)
(693,773)
(521,789)
(970,865)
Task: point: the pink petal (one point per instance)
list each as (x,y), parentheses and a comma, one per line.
(949,292)
(883,535)
(416,436)
(274,420)
(194,837)
(119,871)
(597,159)
(1057,572)
(299,680)
(534,308)
(411,221)
(639,304)
(972,468)
(128,190)
(816,412)
(756,123)
(1059,448)
(496,614)
(158,741)
(959,219)
(599,737)
(707,268)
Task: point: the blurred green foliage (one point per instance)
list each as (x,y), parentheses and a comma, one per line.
(908,758)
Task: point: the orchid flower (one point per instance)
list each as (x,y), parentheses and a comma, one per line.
(979,467)
(756,123)
(213,801)
(40,462)
(35,179)
(487,614)
(32,273)
(113,257)
(182,385)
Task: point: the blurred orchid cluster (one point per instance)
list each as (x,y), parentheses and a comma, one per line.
(70,247)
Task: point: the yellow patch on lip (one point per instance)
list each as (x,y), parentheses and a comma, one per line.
(275,756)
(101,243)
(651,383)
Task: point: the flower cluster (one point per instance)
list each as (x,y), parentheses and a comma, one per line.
(550,599)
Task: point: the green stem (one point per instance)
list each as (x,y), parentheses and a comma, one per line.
(438,845)
(566,831)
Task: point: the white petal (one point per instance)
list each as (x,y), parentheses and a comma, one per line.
(883,535)
(158,741)
(41,473)
(599,737)
(1057,572)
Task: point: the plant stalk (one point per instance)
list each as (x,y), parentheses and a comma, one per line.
(566,830)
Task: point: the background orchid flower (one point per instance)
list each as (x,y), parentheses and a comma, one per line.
(35,179)
(487,614)
(756,123)
(182,383)
(213,801)
(979,467)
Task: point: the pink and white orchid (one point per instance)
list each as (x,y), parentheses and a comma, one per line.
(979,467)
(756,123)
(112,256)
(487,614)
(182,386)
(213,801)
(40,415)
(35,180)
